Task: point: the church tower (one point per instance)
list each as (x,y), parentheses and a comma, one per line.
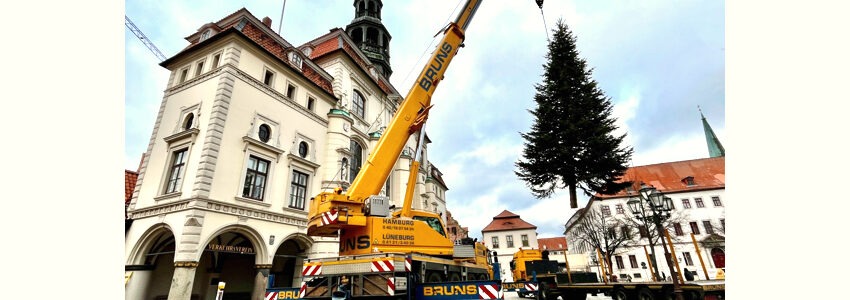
(370,35)
(715,149)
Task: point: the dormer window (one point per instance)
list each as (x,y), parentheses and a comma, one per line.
(689,181)
(295,59)
(205,35)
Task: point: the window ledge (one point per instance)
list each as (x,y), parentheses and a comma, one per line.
(303,161)
(168,196)
(190,134)
(295,210)
(344,151)
(249,140)
(252,201)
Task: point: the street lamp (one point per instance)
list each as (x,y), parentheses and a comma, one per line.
(660,207)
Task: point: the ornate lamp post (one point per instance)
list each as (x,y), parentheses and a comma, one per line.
(659,207)
(637,208)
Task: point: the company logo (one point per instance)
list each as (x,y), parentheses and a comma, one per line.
(360,242)
(287,295)
(427,79)
(450,290)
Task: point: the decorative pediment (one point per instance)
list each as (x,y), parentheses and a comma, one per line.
(713,240)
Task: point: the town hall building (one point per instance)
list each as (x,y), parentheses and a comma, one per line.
(250,127)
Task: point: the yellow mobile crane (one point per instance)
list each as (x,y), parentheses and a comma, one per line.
(381,251)
(358,214)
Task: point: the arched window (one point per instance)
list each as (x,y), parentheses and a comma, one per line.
(356,160)
(343,169)
(358,104)
(302,149)
(188,123)
(264,133)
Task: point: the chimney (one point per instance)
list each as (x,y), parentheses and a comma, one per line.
(268,22)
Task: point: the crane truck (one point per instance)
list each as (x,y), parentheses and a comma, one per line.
(384,253)
(533,265)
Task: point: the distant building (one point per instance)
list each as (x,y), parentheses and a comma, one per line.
(697,188)
(715,148)
(557,247)
(506,234)
(456,232)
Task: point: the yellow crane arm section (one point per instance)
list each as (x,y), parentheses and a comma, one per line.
(377,167)
(332,211)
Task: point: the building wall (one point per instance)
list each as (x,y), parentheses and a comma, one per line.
(506,253)
(229,103)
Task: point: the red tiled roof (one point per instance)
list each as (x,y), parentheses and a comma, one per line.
(324,48)
(506,214)
(265,39)
(507,221)
(130,178)
(279,51)
(552,244)
(707,173)
(334,41)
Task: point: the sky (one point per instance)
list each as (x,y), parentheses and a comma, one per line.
(657,61)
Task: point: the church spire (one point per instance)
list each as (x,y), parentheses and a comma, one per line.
(715,149)
(370,35)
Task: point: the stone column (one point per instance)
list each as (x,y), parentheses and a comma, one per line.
(261,281)
(183,280)
(296,272)
(136,287)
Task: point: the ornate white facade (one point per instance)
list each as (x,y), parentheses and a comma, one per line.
(248,130)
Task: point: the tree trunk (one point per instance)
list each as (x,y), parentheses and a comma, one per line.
(573,197)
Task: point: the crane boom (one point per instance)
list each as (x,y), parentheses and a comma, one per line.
(413,111)
(139,34)
(357,215)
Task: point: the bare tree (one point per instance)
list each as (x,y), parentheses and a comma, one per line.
(647,230)
(596,230)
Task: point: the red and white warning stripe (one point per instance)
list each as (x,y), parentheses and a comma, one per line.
(312,269)
(302,290)
(391,286)
(271,295)
(330,217)
(531,287)
(407,267)
(382,265)
(490,291)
